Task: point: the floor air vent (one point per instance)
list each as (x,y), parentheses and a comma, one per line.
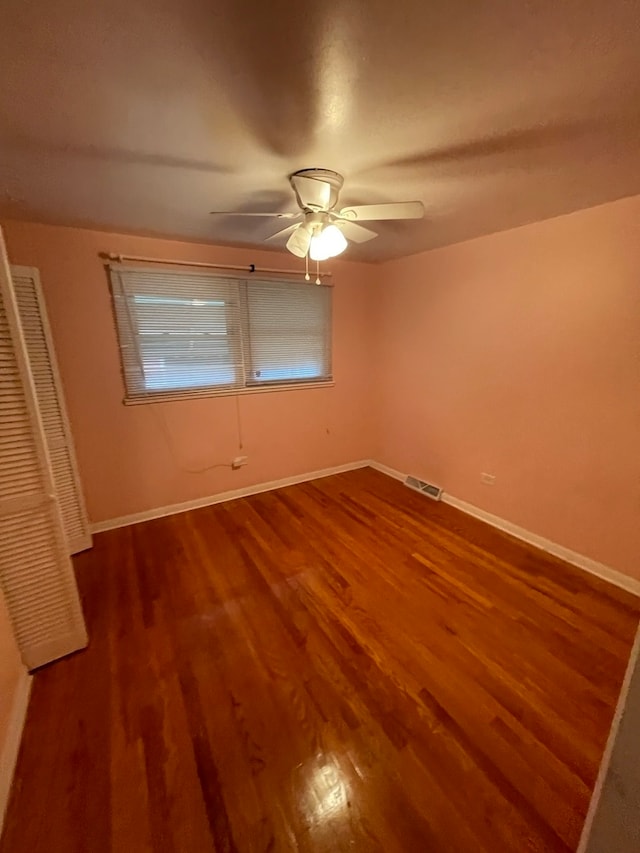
(433,492)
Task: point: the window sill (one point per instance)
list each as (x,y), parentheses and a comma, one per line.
(174,396)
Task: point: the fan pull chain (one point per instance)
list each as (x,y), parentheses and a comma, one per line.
(317,272)
(306,267)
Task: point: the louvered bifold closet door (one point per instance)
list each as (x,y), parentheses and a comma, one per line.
(48,385)
(36,574)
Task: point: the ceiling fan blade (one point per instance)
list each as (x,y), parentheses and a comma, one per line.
(355,233)
(298,243)
(311,192)
(279,236)
(242,213)
(394,210)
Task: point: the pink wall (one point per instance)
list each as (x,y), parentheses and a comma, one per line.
(126,463)
(518,354)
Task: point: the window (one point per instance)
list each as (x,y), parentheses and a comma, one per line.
(195,334)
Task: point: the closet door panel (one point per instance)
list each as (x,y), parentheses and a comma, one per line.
(50,395)
(42,599)
(36,574)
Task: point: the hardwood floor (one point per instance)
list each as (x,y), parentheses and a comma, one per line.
(338,665)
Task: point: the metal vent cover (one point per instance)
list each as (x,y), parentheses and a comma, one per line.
(428,489)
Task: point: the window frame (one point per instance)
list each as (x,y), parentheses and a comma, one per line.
(239,334)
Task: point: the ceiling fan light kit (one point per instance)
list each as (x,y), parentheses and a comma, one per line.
(327,243)
(298,243)
(325,232)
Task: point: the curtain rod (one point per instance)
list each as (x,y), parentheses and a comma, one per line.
(113,256)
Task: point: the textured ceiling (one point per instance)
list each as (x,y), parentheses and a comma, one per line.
(144,115)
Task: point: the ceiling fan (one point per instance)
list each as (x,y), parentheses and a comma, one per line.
(324,231)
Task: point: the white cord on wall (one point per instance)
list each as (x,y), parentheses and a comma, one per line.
(172,450)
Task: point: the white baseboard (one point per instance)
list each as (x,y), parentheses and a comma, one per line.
(221,497)
(390,472)
(600,569)
(9,750)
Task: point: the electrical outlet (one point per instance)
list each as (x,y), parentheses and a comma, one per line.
(239,462)
(488,479)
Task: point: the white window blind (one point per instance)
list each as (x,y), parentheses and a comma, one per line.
(189,334)
(288,327)
(51,403)
(35,570)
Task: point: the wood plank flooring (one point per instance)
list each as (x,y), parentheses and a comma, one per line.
(340,665)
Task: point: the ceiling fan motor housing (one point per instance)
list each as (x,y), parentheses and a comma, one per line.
(325,176)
